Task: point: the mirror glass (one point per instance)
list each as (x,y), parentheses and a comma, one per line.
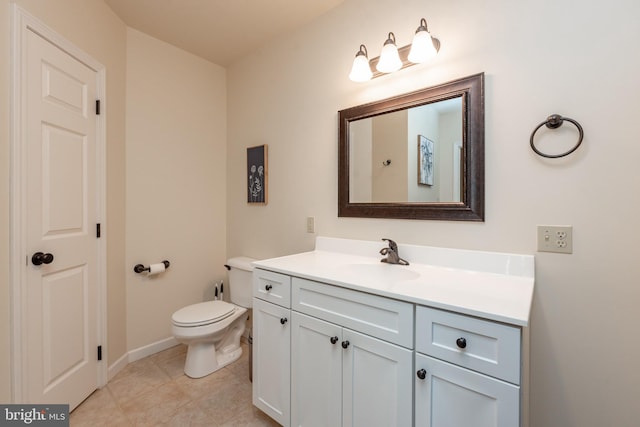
(418,155)
(410,155)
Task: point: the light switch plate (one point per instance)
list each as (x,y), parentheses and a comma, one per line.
(311,224)
(555,238)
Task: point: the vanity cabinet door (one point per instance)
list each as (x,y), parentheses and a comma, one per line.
(316,372)
(272,360)
(377,382)
(447,395)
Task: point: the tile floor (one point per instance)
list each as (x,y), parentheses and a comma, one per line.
(154,391)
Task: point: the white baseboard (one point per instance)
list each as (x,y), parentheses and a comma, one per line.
(139,353)
(117,366)
(153,348)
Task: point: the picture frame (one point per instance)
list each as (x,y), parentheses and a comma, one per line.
(257,174)
(425,161)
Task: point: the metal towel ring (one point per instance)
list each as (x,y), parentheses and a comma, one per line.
(554,121)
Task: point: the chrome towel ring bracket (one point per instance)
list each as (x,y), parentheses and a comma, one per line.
(554,121)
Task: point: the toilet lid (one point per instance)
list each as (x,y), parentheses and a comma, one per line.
(202,313)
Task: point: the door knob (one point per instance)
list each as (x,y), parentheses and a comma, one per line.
(345,344)
(333,340)
(422,374)
(40,258)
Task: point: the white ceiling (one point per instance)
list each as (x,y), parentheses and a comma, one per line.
(221,31)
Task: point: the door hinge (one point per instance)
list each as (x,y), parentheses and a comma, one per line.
(98,230)
(97,107)
(99,352)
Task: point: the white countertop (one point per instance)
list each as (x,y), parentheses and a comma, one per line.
(495,286)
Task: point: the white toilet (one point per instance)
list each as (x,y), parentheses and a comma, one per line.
(212,329)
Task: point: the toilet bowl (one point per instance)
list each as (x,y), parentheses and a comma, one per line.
(212,329)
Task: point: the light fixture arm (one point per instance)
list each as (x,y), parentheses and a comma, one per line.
(423,26)
(363,51)
(391,39)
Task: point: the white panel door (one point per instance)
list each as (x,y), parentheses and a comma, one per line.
(377,382)
(451,396)
(316,372)
(272,360)
(61,177)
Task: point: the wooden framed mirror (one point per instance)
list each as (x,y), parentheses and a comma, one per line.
(415,156)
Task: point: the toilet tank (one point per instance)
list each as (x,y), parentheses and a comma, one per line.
(240,281)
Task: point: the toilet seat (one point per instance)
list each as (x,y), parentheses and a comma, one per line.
(203,313)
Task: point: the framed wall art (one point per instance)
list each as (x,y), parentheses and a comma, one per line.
(425,160)
(257,175)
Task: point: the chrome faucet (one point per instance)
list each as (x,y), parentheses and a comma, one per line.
(392,254)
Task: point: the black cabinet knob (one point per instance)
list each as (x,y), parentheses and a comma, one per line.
(422,374)
(283,320)
(461,342)
(345,344)
(40,258)
(333,340)
(268,287)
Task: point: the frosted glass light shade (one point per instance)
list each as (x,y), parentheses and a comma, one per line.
(389,57)
(422,48)
(360,70)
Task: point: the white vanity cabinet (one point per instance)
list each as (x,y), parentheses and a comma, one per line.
(272,344)
(467,371)
(340,377)
(341,339)
(347,368)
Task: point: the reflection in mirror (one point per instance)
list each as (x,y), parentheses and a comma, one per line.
(415,156)
(410,155)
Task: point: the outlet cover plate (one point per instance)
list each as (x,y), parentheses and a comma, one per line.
(555,238)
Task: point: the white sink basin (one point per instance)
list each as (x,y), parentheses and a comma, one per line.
(381,271)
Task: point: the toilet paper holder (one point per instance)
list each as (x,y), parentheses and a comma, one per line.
(139,268)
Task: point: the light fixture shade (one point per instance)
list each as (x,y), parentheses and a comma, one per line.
(389,57)
(422,48)
(361,70)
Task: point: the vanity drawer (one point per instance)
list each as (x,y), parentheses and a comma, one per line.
(484,346)
(383,318)
(272,287)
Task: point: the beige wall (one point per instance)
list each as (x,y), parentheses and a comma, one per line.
(93,27)
(389,183)
(176,192)
(540,57)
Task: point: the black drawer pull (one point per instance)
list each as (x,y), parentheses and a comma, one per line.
(333,340)
(283,320)
(268,287)
(345,344)
(422,374)
(461,342)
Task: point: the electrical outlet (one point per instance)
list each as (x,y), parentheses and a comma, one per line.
(311,224)
(555,238)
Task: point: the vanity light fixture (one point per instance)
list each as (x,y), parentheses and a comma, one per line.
(423,48)
(389,57)
(361,71)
